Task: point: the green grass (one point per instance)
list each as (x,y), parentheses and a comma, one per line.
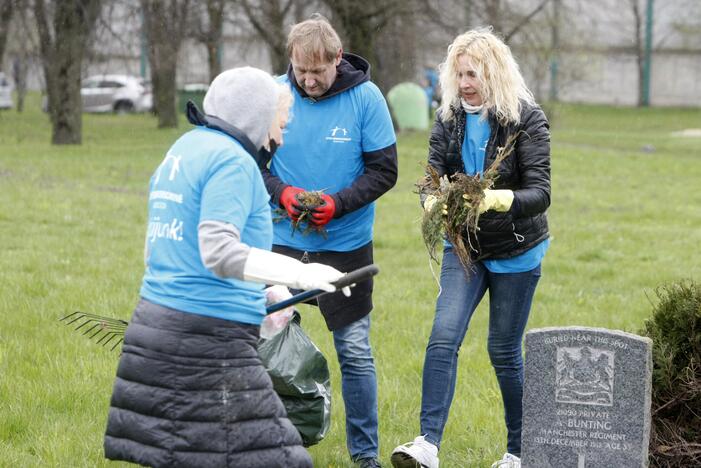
(624,219)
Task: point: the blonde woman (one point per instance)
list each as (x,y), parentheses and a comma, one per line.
(486,101)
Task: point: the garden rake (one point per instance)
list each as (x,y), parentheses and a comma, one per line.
(106,329)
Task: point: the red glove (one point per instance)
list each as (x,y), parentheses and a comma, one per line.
(324,213)
(289,202)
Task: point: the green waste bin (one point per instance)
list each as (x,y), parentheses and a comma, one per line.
(192,92)
(410,106)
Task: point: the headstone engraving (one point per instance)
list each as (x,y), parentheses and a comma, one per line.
(586,399)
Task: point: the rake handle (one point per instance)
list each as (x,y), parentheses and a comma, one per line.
(355,276)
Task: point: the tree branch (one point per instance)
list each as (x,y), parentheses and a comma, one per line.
(525,20)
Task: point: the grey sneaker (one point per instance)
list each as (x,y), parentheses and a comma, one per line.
(416,454)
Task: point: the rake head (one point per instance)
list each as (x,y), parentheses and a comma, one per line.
(103,329)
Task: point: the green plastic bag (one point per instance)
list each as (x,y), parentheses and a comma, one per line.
(300,377)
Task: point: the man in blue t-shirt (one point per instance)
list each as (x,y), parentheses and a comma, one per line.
(341,141)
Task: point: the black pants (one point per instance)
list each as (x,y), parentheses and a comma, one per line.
(337,309)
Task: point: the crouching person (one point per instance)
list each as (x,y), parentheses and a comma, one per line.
(190,388)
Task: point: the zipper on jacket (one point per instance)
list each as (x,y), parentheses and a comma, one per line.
(519,237)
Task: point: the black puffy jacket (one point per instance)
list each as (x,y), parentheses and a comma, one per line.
(526,171)
(191,391)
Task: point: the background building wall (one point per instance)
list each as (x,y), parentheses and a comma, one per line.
(596,54)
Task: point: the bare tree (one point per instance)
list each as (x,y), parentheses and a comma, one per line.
(165,28)
(505,16)
(119,37)
(445,16)
(670,34)
(639,41)
(391,34)
(63,43)
(21,48)
(270,21)
(397,46)
(362,21)
(25,49)
(208,29)
(19,76)
(6,10)
(554,54)
(268,18)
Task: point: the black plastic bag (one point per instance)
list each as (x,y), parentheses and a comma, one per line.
(300,377)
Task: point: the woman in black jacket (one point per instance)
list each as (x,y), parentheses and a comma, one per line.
(485,103)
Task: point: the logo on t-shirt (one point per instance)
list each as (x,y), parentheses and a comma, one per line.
(338,135)
(174,169)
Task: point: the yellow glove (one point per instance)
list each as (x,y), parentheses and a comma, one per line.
(429,202)
(497,200)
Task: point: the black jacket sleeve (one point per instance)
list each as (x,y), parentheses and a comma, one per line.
(533,196)
(379,176)
(438,146)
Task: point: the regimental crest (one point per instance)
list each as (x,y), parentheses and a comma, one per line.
(584,375)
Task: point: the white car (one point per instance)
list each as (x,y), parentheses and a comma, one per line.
(116,93)
(5,92)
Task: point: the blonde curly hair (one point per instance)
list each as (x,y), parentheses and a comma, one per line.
(502,86)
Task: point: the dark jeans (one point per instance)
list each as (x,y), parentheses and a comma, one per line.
(510,297)
(358,387)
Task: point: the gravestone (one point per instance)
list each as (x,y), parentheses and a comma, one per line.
(586,399)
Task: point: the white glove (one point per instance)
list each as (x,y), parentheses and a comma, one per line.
(263,266)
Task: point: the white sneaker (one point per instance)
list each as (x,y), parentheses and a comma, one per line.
(507,461)
(416,454)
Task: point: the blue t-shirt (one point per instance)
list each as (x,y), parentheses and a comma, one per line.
(206,175)
(323,150)
(474,145)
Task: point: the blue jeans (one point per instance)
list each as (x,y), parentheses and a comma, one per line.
(510,297)
(359,387)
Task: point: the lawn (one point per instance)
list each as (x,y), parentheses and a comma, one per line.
(625,218)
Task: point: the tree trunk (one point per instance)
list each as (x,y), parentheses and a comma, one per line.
(19,75)
(278,60)
(278,52)
(213,59)
(361,40)
(362,21)
(554,51)
(62,57)
(639,50)
(215,16)
(165,28)
(494,14)
(268,19)
(6,10)
(164,93)
(66,111)
(22,52)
